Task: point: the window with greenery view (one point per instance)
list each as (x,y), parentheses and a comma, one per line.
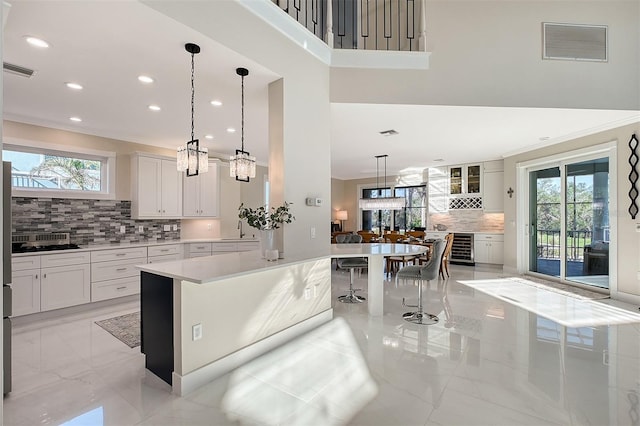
(414,214)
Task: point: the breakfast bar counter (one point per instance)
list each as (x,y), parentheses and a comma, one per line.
(203,317)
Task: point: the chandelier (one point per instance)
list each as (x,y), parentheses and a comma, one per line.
(192,158)
(380,202)
(242,165)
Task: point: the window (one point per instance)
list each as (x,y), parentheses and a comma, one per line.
(46,172)
(414,215)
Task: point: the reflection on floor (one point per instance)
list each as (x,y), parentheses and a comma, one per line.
(601,281)
(487,361)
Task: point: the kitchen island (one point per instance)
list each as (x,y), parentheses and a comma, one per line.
(203,317)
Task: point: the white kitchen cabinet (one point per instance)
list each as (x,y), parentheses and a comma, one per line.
(63,286)
(493,195)
(114,273)
(156,187)
(25,289)
(489,248)
(201,193)
(197,250)
(165,253)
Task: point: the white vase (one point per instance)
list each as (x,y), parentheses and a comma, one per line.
(267,240)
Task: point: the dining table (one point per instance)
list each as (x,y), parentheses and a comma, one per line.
(376,254)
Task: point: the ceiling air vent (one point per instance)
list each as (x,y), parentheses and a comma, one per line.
(18,70)
(389,132)
(574,42)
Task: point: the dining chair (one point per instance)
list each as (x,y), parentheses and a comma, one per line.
(444,262)
(416,234)
(427,272)
(351,263)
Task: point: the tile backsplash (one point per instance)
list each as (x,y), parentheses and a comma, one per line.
(88,222)
(469,220)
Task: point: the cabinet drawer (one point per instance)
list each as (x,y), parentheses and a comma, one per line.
(114,288)
(115,269)
(25,262)
(489,237)
(200,248)
(199,255)
(65,259)
(116,254)
(248,245)
(164,250)
(165,258)
(217,247)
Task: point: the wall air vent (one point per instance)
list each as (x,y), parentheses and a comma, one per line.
(18,70)
(575,42)
(389,132)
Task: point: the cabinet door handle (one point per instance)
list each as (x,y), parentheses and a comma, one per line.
(121,254)
(36,276)
(121,269)
(44,276)
(120,288)
(159,211)
(164,250)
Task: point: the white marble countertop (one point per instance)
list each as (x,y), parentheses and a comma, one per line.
(111,246)
(201,270)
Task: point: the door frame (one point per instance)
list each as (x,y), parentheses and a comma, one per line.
(608,149)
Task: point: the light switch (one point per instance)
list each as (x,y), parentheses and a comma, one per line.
(196,332)
(637,227)
(167,227)
(175,227)
(122,229)
(313,232)
(140,228)
(307,293)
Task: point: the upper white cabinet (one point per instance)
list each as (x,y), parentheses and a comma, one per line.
(201,193)
(465,179)
(493,187)
(156,187)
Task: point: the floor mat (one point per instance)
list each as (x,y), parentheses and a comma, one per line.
(125,328)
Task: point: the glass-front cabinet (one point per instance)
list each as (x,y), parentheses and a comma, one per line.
(465,180)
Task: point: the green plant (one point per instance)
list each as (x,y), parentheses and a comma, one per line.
(261,218)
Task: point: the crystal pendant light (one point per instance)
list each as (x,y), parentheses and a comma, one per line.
(379,202)
(192,158)
(242,165)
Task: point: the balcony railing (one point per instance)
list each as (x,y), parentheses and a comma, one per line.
(548,244)
(397,25)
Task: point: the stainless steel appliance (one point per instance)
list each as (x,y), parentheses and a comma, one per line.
(462,249)
(6,276)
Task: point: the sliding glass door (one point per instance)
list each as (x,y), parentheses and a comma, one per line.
(569,221)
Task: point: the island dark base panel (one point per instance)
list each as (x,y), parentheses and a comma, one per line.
(156,324)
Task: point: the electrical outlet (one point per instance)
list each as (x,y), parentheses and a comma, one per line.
(313,232)
(167,227)
(122,229)
(307,293)
(196,332)
(141,229)
(175,227)
(316,290)
(208,227)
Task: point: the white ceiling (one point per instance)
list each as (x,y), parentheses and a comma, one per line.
(105,45)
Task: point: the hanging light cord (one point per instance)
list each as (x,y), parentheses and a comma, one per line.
(242,115)
(192,93)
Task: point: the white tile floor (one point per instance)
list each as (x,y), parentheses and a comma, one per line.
(486,362)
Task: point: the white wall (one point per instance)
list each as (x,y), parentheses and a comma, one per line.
(483,51)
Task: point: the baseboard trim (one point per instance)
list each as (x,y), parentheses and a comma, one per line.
(183,385)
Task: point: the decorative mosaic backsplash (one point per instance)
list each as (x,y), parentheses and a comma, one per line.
(469,220)
(88,222)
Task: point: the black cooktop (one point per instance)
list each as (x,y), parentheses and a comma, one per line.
(51,247)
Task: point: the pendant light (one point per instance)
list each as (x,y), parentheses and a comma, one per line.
(380,202)
(242,165)
(192,158)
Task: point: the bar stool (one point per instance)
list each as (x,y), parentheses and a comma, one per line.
(351,263)
(421,273)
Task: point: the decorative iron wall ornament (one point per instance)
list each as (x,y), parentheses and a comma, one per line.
(633,176)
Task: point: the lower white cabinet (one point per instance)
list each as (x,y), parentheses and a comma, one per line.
(63,286)
(489,248)
(248,245)
(119,277)
(25,289)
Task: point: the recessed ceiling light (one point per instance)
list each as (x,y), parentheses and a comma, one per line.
(154,107)
(76,119)
(208,136)
(145,79)
(216,103)
(231,130)
(74,86)
(37,42)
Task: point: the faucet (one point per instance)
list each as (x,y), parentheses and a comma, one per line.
(242,234)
